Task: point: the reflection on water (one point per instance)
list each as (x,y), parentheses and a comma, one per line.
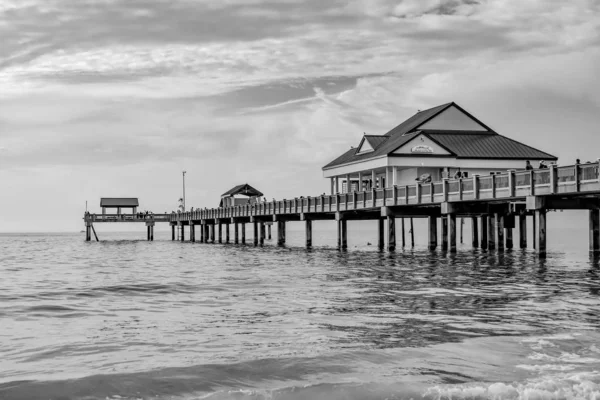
(168,318)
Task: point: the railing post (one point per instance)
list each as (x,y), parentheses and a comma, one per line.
(354,199)
(395,194)
(322,203)
(418,193)
(431,194)
(444,190)
(494,186)
(460,189)
(373,196)
(531,183)
(577,177)
(553,179)
(511,183)
(406,194)
(337,202)
(384,197)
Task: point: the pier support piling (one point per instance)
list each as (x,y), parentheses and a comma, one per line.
(475,232)
(433,240)
(227,233)
(444,233)
(308,223)
(380,233)
(262,234)
(594,231)
(192,232)
(236,233)
(491,236)
(220,232)
(403,233)
(522,231)
(391,233)
(509,224)
(255,238)
(202,230)
(541,220)
(412,233)
(342,234)
(281,233)
(212,233)
(243,233)
(269,231)
(172,232)
(534,228)
(500,230)
(452,231)
(484,232)
(182,238)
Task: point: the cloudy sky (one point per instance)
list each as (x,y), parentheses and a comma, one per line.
(117,97)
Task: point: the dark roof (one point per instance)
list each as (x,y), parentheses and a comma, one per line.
(119,202)
(244,189)
(477,144)
(484,145)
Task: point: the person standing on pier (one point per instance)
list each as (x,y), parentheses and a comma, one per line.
(528,165)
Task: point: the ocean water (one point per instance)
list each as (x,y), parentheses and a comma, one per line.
(130,319)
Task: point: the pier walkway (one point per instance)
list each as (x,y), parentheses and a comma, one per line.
(496,200)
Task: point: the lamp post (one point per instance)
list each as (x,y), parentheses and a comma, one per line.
(184,190)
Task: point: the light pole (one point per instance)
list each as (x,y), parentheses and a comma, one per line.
(184,190)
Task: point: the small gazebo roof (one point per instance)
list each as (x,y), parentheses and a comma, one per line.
(119,202)
(243,189)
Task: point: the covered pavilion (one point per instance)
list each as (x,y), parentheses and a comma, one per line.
(240,195)
(119,203)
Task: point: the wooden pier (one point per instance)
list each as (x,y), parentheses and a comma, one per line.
(494,203)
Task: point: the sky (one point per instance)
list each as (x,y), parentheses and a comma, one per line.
(115,98)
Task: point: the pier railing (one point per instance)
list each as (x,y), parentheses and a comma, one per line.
(129,217)
(579,178)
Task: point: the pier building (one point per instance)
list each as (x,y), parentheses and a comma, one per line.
(442,142)
(240,195)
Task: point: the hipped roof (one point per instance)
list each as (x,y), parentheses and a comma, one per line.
(243,189)
(461,144)
(119,202)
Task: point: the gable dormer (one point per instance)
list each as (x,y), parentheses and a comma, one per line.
(453,118)
(369,143)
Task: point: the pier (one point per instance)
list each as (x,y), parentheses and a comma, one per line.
(494,203)
(463,169)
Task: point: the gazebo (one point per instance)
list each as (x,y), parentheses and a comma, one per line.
(118,203)
(239,195)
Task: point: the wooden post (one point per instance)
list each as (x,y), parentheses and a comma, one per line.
(523,231)
(152,233)
(262,233)
(534,228)
(148,232)
(255,239)
(220,232)
(594,231)
(227,232)
(462,223)
(475,232)
(182,238)
(491,232)
(243,233)
(484,232)
(509,238)
(452,231)
(88,232)
(403,234)
(192,232)
(269,232)
(541,217)
(391,233)
(308,233)
(432,233)
(172,232)
(380,240)
(344,234)
(500,230)
(280,233)
(236,233)
(212,232)
(444,233)
(412,233)
(202,230)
